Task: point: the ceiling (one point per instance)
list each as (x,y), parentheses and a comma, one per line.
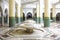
(22,1)
(26,1)
(30,1)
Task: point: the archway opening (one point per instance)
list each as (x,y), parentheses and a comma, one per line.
(58,17)
(1,14)
(43,16)
(51,16)
(23,17)
(16,18)
(29,15)
(6,16)
(35,16)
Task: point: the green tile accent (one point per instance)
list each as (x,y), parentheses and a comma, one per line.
(5,19)
(0,19)
(35,18)
(12,21)
(54,19)
(21,19)
(40,20)
(46,21)
(17,20)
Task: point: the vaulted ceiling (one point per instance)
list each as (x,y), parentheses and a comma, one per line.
(24,1)
(30,1)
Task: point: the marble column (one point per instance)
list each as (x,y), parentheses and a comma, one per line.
(21,13)
(38,12)
(18,13)
(46,13)
(12,21)
(53,13)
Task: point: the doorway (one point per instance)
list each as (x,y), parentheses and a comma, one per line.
(23,17)
(1,15)
(58,17)
(29,15)
(6,16)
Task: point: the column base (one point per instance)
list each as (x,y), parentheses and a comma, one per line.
(39,20)
(12,21)
(46,22)
(35,19)
(0,20)
(54,19)
(17,20)
(21,19)
(5,19)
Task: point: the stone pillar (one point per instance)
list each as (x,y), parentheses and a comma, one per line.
(2,19)
(41,11)
(46,14)
(38,13)
(21,13)
(18,13)
(53,13)
(35,16)
(12,13)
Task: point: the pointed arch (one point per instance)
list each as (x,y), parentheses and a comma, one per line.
(6,15)
(29,15)
(1,14)
(58,16)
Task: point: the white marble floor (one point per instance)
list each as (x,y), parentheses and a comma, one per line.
(50,33)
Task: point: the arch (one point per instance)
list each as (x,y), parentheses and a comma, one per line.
(6,15)
(1,14)
(29,15)
(51,16)
(35,16)
(43,15)
(58,16)
(23,16)
(6,11)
